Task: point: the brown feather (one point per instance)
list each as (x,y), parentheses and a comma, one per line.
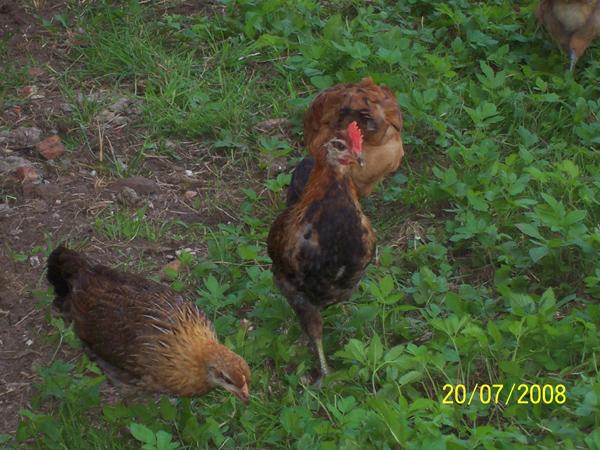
(573,24)
(150,335)
(376,110)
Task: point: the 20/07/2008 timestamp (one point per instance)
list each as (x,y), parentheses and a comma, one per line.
(522,394)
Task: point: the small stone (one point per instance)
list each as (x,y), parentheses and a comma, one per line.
(270,124)
(34,261)
(278,164)
(28,174)
(51,147)
(25,137)
(128,197)
(119,105)
(246,324)
(190,194)
(67,108)
(140,185)
(47,192)
(11,163)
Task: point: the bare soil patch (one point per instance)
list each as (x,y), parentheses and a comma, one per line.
(46,200)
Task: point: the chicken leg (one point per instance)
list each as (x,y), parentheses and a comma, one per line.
(312,323)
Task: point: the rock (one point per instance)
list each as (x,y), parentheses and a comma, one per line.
(190,194)
(246,324)
(25,137)
(67,108)
(28,174)
(34,261)
(120,105)
(11,163)
(45,191)
(140,185)
(277,165)
(115,113)
(270,124)
(51,147)
(128,197)
(4,209)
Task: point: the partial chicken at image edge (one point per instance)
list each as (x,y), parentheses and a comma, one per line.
(142,333)
(573,24)
(321,245)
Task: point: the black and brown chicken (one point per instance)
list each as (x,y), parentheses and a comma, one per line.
(142,333)
(573,24)
(321,244)
(375,110)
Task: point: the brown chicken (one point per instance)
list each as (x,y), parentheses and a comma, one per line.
(141,332)
(376,111)
(321,245)
(573,24)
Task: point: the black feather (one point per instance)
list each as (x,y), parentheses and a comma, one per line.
(63,266)
(300,177)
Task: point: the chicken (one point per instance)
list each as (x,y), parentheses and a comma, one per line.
(573,24)
(376,111)
(141,332)
(321,245)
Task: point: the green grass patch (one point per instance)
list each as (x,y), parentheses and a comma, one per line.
(501,182)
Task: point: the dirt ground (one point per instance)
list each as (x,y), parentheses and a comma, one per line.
(44,202)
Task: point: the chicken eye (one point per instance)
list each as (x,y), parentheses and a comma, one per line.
(226,379)
(338,145)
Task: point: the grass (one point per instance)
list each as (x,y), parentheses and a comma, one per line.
(495,281)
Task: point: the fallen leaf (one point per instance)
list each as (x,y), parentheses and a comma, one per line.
(28,91)
(27,173)
(170,270)
(190,194)
(36,72)
(51,147)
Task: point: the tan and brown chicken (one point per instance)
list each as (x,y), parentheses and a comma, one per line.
(321,245)
(142,332)
(376,111)
(573,24)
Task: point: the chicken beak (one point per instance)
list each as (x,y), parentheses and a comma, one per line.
(360,160)
(244,394)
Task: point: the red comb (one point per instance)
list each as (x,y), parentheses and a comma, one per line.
(356,137)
